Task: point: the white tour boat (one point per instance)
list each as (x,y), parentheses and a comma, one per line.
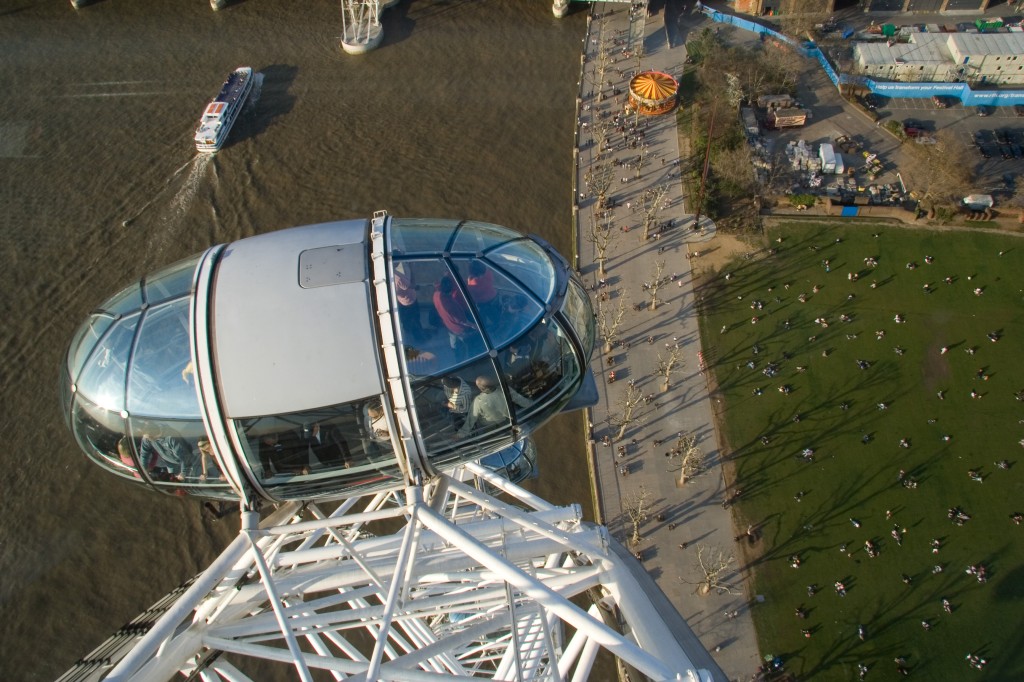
(221,113)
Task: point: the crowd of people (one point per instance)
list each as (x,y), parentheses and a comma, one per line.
(735,285)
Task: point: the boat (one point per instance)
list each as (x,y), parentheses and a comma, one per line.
(220,114)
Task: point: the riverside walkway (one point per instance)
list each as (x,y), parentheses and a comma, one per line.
(679,519)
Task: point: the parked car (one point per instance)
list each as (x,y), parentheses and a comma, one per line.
(984,110)
(1018,109)
(940,102)
(985,151)
(1006,152)
(873,101)
(912,127)
(1001,137)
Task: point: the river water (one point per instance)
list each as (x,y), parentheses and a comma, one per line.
(466,111)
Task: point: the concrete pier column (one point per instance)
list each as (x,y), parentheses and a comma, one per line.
(560,8)
(361,29)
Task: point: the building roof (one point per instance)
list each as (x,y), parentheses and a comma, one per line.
(987,43)
(923,48)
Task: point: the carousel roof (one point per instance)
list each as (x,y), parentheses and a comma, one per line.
(653,85)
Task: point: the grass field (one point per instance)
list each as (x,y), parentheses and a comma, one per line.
(850,491)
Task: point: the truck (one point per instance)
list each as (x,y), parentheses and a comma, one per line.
(847,144)
(872,164)
(749,121)
(775,102)
(978,202)
(828,158)
(787,118)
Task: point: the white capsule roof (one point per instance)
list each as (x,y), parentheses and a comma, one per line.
(276,302)
(328,360)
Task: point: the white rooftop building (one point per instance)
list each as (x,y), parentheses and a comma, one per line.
(925,58)
(988,57)
(994,58)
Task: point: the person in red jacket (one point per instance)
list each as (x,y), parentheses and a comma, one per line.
(480,284)
(454,312)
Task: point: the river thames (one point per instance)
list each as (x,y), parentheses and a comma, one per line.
(465,111)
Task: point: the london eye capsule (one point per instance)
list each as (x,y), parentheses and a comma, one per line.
(329,360)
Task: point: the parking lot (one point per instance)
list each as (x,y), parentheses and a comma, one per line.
(1000,135)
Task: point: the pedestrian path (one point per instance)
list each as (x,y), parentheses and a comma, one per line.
(644,155)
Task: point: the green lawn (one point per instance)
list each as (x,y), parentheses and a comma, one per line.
(850,480)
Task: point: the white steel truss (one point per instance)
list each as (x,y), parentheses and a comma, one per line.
(466,576)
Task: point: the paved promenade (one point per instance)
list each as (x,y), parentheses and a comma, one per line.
(692,514)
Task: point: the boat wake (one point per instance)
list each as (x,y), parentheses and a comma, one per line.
(182,200)
(200,161)
(171,215)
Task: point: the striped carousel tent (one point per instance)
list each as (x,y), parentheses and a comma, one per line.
(653,92)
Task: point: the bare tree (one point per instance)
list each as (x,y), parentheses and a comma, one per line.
(650,206)
(655,283)
(720,60)
(785,65)
(775,171)
(668,366)
(735,73)
(641,157)
(599,180)
(635,505)
(686,458)
(800,24)
(936,177)
(627,415)
(749,76)
(600,130)
(604,239)
(736,168)
(713,565)
(609,318)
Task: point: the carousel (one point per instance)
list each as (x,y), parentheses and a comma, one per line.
(653,92)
